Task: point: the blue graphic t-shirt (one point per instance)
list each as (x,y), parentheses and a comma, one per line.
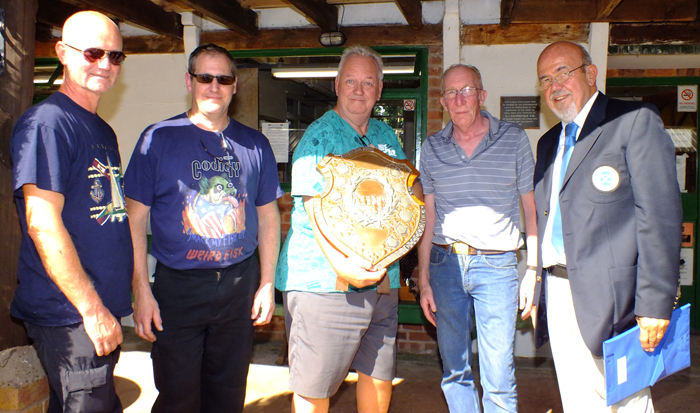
(302,265)
(59,146)
(203,188)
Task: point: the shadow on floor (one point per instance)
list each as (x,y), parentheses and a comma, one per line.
(416,389)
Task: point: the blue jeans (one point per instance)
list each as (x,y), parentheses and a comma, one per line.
(484,287)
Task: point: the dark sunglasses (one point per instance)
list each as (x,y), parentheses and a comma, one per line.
(206,79)
(93,55)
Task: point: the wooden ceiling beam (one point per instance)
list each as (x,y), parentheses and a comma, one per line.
(395,35)
(270,4)
(153,44)
(506,12)
(412,11)
(631,11)
(606,7)
(143,13)
(228,13)
(586,11)
(55,13)
(263,4)
(655,33)
(491,34)
(318,12)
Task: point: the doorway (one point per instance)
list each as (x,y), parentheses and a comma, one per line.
(296,87)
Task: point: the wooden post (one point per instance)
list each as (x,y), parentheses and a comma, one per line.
(16,91)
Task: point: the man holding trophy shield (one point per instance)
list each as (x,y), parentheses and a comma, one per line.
(329,269)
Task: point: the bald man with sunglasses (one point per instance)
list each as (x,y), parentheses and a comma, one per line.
(75,261)
(211,186)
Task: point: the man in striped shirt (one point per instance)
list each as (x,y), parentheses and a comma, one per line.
(474,172)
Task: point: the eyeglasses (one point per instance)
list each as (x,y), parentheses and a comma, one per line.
(225,145)
(465,91)
(547,82)
(94,54)
(205,78)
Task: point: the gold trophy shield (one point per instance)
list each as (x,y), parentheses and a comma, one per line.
(368,207)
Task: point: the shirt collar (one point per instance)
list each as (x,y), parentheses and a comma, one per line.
(580,119)
(494,126)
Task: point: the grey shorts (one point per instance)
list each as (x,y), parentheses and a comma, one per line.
(331,333)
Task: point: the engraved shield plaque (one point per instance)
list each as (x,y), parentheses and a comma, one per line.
(368,207)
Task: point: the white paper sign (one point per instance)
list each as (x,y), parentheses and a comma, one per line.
(688,98)
(686,266)
(278,135)
(681,161)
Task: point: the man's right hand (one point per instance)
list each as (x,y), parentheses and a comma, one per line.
(357,272)
(427,302)
(527,294)
(146,312)
(104,330)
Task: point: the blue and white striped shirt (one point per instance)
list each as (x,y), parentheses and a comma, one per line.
(477,197)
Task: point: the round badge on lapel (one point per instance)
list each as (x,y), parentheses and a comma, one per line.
(605,178)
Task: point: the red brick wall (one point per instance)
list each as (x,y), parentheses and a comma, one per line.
(275,331)
(417,339)
(285,203)
(434,74)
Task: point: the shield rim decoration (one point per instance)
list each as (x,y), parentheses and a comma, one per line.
(342,172)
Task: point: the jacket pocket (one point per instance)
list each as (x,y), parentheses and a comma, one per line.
(82,380)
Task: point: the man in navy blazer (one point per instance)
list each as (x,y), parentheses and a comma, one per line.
(609,240)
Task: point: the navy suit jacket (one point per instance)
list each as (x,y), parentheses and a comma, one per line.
(621,219)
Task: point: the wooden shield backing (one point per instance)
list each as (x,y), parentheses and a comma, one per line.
(368,207)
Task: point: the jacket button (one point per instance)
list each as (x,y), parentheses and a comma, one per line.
(539,278)
(546,212)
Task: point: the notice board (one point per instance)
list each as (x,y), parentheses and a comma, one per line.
(521,110)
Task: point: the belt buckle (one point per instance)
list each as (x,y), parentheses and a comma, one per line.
(462,248)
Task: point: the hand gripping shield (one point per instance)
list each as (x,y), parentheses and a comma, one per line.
(368,208)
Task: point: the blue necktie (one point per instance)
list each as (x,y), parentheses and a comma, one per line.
(569,142)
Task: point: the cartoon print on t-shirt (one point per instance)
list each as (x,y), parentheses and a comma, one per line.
(116,209)
(215,211)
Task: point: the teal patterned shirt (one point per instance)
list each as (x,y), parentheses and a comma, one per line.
(302,265)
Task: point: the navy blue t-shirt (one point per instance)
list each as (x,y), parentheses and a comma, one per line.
(59,146)
(203,189)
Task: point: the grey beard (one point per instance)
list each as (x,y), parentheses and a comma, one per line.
(567,115)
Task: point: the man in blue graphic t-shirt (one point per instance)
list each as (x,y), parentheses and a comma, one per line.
(76,255)
(211,186)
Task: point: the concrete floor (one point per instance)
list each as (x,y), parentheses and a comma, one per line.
(416,388)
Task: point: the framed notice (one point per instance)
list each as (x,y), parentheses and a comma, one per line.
(521,110)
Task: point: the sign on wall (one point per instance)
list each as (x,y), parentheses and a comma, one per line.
(688,98)
(278,135)
(521,110)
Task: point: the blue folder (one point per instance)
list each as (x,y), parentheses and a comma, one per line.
(628,368)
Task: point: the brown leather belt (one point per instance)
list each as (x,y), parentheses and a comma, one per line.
(466,249)
(557,271)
